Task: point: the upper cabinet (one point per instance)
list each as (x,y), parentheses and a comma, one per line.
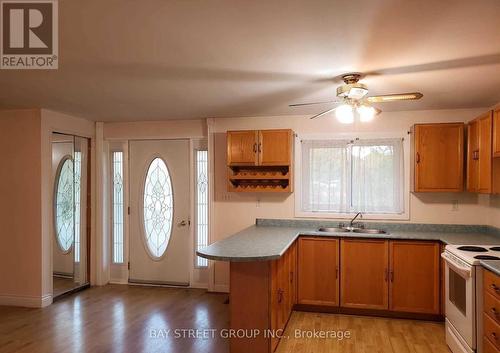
(438,157)
(242,147)
(479,154)
(496,133)
(260,160)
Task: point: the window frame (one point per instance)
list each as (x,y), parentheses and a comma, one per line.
(196,264)
(352,136)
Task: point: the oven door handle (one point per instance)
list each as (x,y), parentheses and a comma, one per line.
(463,271)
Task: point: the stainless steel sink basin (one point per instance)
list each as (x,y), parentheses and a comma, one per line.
(370,231)
(333,230)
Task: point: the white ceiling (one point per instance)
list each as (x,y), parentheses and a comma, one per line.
(158,59)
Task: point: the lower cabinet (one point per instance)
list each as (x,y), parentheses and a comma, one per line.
(414,277)
(318,271)
(283,291)
(491,313)
(364,271)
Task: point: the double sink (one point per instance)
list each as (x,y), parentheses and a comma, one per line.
(351,229)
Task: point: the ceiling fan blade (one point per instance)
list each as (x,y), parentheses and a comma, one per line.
(323,113)
(394,97)
(313,103)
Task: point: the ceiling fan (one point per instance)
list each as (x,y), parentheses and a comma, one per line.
(351,98)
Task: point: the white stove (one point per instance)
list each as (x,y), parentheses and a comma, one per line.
(463,288)
(473,254)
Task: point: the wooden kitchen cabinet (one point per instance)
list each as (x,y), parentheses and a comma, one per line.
(318,271)
(414,276)
(479,154)
(242,147)
(274,147)
(283,290)
(438,157)
(364,273)
(491,312)
(260,160)
(496,133)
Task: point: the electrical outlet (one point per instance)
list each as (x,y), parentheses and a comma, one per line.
(454,205)
(257,204)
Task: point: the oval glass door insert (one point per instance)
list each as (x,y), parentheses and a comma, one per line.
(64,205)
(158,208)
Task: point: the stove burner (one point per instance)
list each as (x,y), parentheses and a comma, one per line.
(495,248)
(486,257)
(472,248)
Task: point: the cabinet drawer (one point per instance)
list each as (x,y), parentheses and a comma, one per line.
(492,331)
(492,283)
(489,347)
(492,307)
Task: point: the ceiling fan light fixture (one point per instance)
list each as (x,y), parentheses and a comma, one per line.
(366,113)
(345,114)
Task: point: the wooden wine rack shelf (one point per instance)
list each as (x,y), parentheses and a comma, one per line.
(260,161)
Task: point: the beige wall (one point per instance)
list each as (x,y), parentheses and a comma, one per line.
(20,217)
(233,211)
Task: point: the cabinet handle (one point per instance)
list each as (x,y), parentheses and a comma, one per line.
(392,276)
(280,295)
(336,273)
(260,147)
(255,148)
(291,276)
(494,313)
(495,288)
(418,157)
(494,336)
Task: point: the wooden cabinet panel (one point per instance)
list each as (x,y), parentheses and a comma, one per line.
(473,156)
(488,347)
(318,264)
(492,284)
(438,157)
(491,306)
(496,133)
(491,331)
(479,154)
(364,273)
(275,147)
(414,277)
(485,155)
(242,147)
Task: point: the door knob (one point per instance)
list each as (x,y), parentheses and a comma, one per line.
(183,223)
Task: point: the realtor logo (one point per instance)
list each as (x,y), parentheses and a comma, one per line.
(29,38)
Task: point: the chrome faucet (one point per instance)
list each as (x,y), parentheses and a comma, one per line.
(359,214)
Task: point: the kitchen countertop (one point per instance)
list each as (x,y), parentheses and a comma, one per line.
(492,265)
(269,242)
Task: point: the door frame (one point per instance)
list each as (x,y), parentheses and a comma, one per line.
(119,273)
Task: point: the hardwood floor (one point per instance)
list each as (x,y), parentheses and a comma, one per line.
(62,285)
(122,319)
(367,335)
(116,318)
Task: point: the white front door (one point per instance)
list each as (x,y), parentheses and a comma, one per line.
(159,212)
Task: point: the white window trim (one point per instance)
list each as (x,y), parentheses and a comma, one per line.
(350,136)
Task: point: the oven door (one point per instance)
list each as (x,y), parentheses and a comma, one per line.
(461,298)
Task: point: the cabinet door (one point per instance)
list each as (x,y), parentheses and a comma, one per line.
(439,156)
(364,273)
(242,147)
(414,277)
(473,156)
(275,147)
(485,153)
(318,263)
(496,133)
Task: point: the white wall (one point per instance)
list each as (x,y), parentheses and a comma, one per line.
(234,211)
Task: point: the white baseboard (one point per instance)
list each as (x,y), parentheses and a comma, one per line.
(26,301)
(199,285)
(221,288)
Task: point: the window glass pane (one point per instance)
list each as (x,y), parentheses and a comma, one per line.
(340,176)
(118,212)
(158,208)
(201,204)
(376,178)
(78,179)
(64,208)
